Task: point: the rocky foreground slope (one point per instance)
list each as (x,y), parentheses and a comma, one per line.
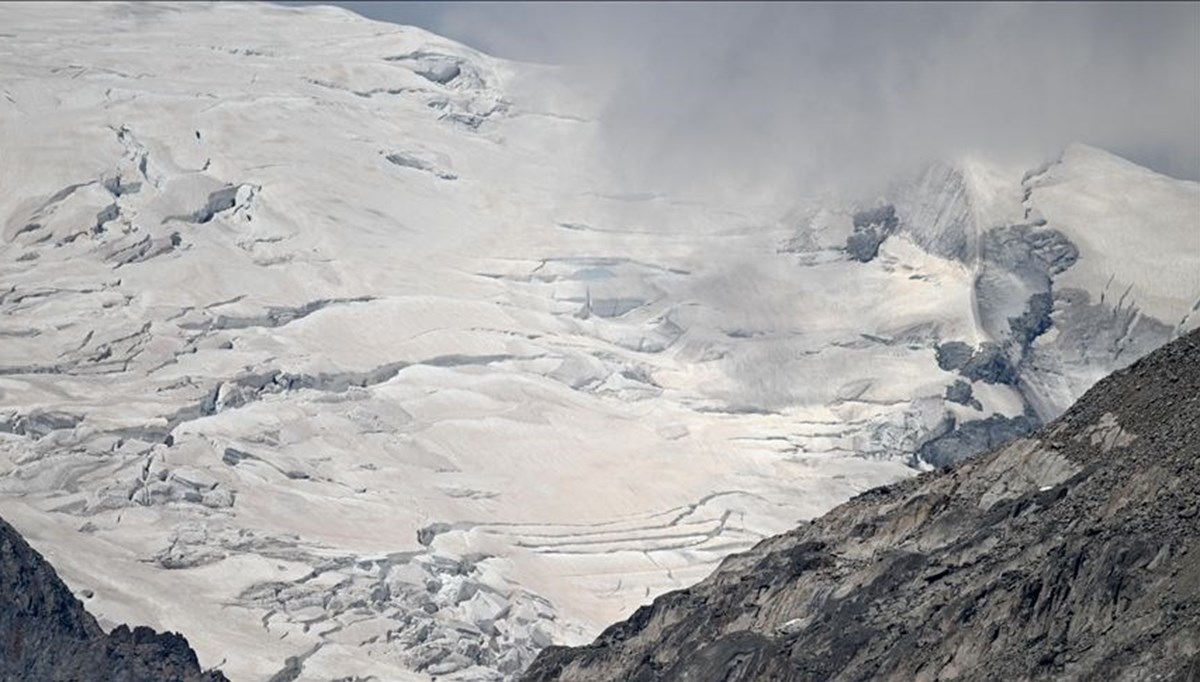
(349,351)
(46,634)
(1071,555)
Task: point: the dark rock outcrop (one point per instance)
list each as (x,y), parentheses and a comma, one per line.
(1073,554)
(961,392)
(989,363)
(871,227)
(46,635)
(973,437)
(952,356)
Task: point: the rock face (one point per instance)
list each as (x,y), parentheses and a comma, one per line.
(1046,310)
(1073,554)
(357,301)
(45,633)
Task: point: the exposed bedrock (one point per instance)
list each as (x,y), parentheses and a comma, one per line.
(871,227)
(1046,342)
(1069,555)
(45,633)
(970,438)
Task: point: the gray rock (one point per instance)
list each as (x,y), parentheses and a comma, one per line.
(1070,555)
(1035,321)
(990,364)
(45,633)
(871,227)
(974,437)
(961,392)
(953,355)
(1029,252)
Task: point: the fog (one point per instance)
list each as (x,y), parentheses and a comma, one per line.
(762,97)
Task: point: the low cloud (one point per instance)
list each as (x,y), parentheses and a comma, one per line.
(771,97)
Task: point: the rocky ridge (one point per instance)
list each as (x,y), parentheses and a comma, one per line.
(340,347)
(1068,555)
(46,634)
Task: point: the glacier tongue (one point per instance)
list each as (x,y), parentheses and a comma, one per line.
(337,348)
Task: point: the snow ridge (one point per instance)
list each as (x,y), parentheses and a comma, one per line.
(336,348)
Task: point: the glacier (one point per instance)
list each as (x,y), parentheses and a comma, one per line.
(338,348)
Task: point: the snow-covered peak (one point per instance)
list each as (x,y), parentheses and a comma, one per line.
(948,205)
(334,341)
(1080,265)
(1138,232)
(1092,160)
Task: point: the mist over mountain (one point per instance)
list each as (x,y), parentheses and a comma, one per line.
(778,98)
(349,350)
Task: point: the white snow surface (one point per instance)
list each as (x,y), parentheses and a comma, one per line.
(332,339)
(1125,219)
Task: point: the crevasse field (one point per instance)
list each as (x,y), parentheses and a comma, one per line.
(337,348)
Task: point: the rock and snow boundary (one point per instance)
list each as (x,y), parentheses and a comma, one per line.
(335,348)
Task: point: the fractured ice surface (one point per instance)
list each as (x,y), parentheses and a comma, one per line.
(336,347)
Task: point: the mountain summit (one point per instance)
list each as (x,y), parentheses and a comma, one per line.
(348,350)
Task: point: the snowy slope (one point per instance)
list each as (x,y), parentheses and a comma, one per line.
(1136,281)
(1081,266)
(334,342)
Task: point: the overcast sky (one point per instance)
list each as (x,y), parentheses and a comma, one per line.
(801,94)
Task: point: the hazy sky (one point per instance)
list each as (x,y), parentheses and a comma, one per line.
(810,93)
